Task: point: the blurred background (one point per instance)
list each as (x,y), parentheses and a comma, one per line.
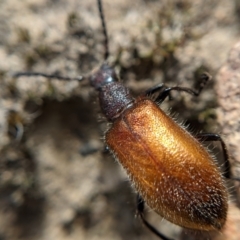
(57,181)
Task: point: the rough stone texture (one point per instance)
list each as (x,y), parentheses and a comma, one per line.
(228,92)
(55,180)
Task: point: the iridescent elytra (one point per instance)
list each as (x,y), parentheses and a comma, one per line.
(168,167)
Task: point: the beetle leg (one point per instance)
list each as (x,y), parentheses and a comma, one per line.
(154,89)
(165,91)
(216,138)
(140,210)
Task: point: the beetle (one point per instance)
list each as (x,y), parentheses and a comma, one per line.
(169,168)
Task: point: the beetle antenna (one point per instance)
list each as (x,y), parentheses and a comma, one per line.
(50,76)
(104,29)
(80,78)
